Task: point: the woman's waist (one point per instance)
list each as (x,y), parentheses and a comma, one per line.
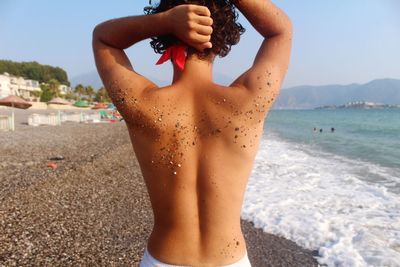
(191,246)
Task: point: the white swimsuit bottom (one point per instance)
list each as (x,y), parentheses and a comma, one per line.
(149,261)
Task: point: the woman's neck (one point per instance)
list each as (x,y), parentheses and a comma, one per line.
(196,70)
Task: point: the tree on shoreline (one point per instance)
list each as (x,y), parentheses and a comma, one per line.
(89,92)
(80,90)
(102,96)
(49,90)
(54,87)
(71,96)
(46,94)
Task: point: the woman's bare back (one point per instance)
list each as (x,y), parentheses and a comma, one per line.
(195,141)
(196,147)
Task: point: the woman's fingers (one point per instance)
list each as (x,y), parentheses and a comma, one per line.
(198,30)
(201,47)
(200,38)
(200,10)
(204,30)
(206,21)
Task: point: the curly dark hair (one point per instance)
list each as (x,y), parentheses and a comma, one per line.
(226,29)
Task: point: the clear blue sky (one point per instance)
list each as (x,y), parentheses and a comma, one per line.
(335,41)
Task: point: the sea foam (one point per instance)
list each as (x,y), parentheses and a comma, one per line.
(320,201)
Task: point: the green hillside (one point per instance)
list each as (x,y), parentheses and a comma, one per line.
(34,71)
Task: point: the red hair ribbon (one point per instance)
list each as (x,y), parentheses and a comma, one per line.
(177,53)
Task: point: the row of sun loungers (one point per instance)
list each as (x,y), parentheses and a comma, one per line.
(60,117)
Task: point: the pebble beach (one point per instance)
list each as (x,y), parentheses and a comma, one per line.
(92,207)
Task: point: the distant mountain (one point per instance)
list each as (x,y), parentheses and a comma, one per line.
(90,78)
(386,91)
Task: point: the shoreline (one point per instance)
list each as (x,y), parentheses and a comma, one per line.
(93,210)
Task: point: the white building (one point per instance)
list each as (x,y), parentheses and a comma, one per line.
(64,89)
(12,85)
(5,85)
(24,88)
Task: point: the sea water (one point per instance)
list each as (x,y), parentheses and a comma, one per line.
(335,192)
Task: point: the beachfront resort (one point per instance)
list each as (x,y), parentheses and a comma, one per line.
(26,88)
(20,93)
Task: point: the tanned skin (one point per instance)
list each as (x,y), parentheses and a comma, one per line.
(195,140)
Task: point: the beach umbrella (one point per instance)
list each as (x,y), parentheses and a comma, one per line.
(14,102)
(100,106)
(59,101)
(81,104)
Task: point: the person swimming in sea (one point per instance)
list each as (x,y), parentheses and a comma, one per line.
(195,140)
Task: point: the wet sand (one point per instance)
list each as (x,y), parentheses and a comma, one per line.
(93,210)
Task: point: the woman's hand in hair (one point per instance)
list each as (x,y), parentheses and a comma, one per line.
(192,24)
